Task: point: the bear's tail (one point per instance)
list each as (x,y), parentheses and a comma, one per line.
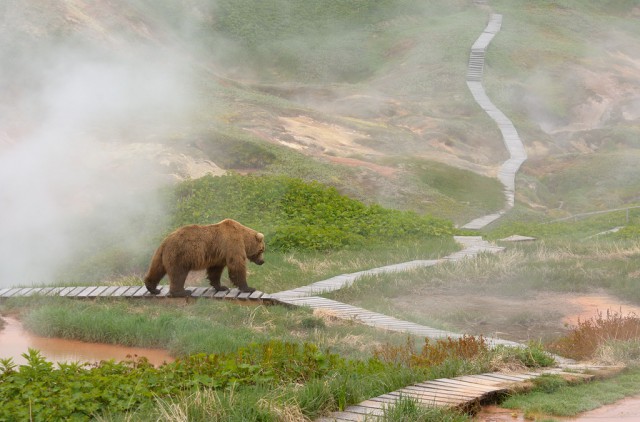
(156,272)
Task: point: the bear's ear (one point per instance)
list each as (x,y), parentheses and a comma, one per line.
(259,236)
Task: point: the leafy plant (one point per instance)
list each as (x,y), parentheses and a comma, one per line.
(38,391)
(295,215)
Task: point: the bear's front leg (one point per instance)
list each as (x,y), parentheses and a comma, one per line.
(238,276)
(214,274)
(152,287)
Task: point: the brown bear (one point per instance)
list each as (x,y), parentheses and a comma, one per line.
(210,247)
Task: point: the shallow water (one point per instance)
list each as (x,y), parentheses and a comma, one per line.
(16,340)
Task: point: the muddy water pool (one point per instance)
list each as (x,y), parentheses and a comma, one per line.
(16,340)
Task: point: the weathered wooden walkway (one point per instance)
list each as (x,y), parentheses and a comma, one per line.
(128,292)
(472,245)
(464,393)
(511,139)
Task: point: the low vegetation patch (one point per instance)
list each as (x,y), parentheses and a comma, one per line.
(588,336)
(433,352)
(78,391)
(262,369)
(465,348)
(295,215)
(554,396)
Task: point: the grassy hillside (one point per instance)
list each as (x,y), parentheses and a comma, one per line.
(366,97)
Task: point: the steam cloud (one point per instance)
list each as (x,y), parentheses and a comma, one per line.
(68,172)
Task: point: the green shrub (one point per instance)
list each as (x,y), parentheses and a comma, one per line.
(297,215)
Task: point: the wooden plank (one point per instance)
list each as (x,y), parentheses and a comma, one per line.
(130,291)
(24,292)
(347,416)
(267,297)
(469,385)
(65,291)
(463,386)
(119,291)
(332,419)
(498,381)
(440,390)
(308,301)
(209,293)
(140,292)
(33,291)
(426,397)
(244,295)
(198,291)
(481,381)
(109,291)
(96,292)
(256,295)
(55,291)
(45,291)
(75,291)
(232,294)
(508,377)
(85,292)
(369,408)
(164,290)
(14,292)
(221,294)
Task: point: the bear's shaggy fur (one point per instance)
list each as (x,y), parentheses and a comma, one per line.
(210,247)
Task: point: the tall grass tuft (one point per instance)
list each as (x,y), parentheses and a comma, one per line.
(587,336)
(433,352)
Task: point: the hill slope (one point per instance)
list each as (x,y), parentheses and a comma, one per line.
(357,94)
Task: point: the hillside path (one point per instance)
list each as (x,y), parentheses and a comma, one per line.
(511,139)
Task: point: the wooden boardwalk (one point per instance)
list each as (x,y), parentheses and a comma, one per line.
(511,139)
(464,393)
(472,245)
(91,292)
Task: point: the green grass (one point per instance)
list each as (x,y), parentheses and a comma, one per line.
(559,399)
(569,229)
(522,271)
(202,327)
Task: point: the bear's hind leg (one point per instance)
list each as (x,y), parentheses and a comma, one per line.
(214,274)
(177,278)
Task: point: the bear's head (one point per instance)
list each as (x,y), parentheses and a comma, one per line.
(255,249)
